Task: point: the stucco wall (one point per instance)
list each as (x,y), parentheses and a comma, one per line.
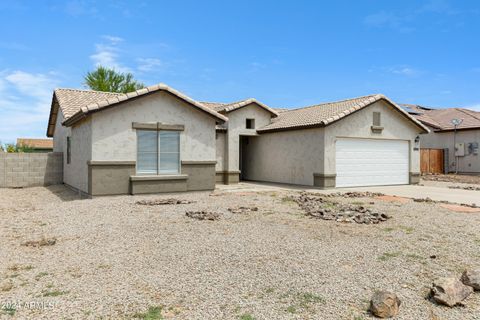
(220,150)
(76,173)
(237,127)
(358,125)
(444,140)
(59,137)
(114,139)
(285,156)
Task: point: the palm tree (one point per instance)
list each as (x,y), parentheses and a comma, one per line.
(109,80)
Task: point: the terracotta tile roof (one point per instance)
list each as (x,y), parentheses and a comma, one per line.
(120,98)
(440,119)
(327,113)
(229,107)
(36,143)
(72,100)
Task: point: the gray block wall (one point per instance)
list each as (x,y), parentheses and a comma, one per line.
(30,169)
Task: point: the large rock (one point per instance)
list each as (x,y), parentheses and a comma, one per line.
(384,304)
(471,278)
(450,291)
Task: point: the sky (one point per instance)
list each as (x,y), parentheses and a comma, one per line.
(285,54)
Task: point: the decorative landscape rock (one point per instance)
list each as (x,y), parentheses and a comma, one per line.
(472,188)
(428,200)
(471,278)
(160,202)
(320,207)
(243,210)
(203,215)
(385,304)
(450,291)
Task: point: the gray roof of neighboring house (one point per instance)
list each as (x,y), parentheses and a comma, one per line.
(77,104)
(440,119)
(326,113)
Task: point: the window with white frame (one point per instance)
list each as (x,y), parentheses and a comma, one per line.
(158,152)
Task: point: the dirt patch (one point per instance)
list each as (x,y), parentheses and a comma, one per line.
(459,208)
(471,188)
(393,199)
(459,178)
(161,202)
(203,215)
(428,200)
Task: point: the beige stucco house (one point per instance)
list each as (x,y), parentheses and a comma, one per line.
(159,140)
(461,143)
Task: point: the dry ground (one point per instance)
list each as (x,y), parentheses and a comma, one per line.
(454,178)
(114,259)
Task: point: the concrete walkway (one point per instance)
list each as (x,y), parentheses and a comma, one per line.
(409,191)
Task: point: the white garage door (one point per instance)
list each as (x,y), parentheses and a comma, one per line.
(369,162)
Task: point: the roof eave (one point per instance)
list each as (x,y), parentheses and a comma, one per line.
(102,105)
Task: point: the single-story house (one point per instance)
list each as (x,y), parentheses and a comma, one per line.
(37,145)
(159,140)
(461,143)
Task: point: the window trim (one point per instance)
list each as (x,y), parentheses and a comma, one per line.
(157,154)
(69,150)
(251,121)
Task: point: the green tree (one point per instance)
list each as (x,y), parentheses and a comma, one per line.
(109,80)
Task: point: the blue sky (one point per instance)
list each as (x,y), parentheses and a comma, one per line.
(284,53)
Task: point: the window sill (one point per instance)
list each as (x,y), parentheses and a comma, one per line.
(377,129)
(159,177)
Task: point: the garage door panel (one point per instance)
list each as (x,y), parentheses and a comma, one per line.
(364,162)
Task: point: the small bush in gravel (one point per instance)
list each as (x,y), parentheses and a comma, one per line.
(247,316)
(41,243)
(54,293)
(153,313)
(9,310)
(388,255)
(203,215)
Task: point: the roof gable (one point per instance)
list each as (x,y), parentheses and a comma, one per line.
(229,107)
(78,104)
(326,113)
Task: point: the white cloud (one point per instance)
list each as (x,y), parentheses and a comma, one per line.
(149,64)
(475,107)
(113,39)
(384,19)
(107,54)
(406,71)
(24,103)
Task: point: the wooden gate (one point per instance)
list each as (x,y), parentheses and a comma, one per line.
(431,160)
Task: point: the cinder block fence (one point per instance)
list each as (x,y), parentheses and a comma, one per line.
(30,169)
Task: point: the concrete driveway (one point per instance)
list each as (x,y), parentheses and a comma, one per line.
(437,193)
(434,193)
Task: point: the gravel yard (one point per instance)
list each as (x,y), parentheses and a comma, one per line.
(116,259)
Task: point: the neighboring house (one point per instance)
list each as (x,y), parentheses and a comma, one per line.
(444,136)
(159,140)
(37,145)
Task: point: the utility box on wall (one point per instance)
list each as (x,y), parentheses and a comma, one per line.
(473,148)
(460,149)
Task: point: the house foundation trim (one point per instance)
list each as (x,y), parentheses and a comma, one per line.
(324,180)
(414,177)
